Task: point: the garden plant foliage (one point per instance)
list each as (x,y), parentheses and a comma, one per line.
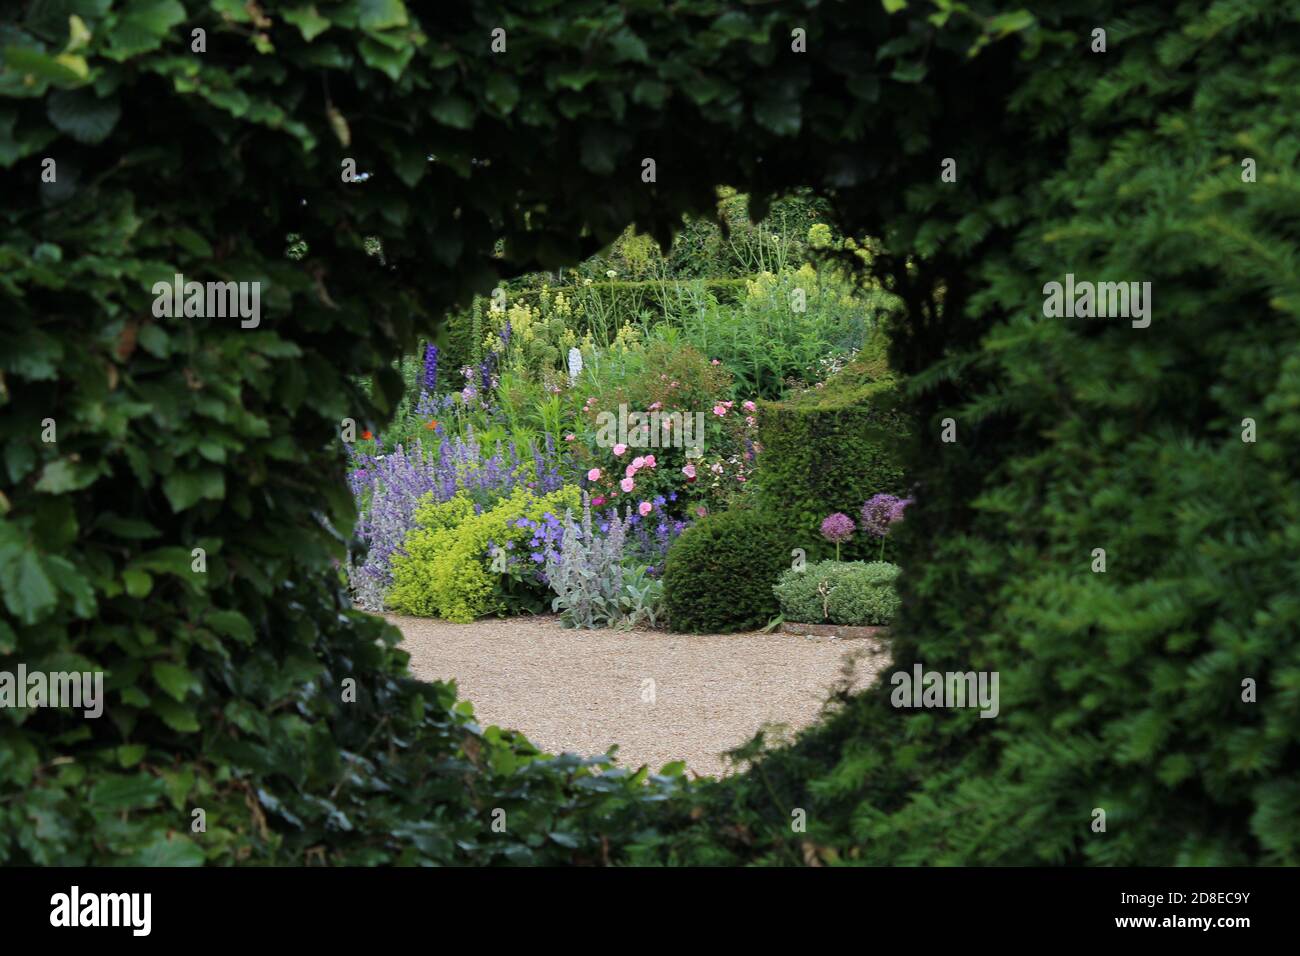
(1121,690)
(856,593)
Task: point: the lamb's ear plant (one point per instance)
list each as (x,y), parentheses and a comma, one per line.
(587,578)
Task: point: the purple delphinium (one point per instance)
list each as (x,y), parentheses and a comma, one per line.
(837,528)
(430,380)
(881,511)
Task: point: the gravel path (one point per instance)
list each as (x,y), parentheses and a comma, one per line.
(661,697)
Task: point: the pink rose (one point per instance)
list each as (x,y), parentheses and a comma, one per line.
(655,406)
(716,468)
(627,484)
(631,470)
(750,407)
(638,462)
(701,511)
(645,508)
(715,362)
(597,502)
(719,410)
(593,475)
(689,471)
(570,437)
(619,449)
(749,420)
(650,461)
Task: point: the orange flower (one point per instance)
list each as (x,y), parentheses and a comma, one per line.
(366,435)
(431,424)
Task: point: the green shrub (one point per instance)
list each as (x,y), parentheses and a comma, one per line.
(719,573)
(840,592)
(830,449)
(446,570)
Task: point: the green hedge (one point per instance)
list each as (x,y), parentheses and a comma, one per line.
(719,574)
(831,449)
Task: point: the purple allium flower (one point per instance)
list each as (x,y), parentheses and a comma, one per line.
(881,511)
(837,528)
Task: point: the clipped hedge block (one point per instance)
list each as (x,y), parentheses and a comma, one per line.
(831,449)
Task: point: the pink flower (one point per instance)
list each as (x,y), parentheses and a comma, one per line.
(750,421)
(650,461)
(631,470)
(619,449)
(715,362)
(597,502)
(627,484)
(701,511)
(638,462)
(750,407)
(645,508)
(719,410)
(689,471)
(570,437)
(655,406)
(740,478)
(716,468)
(593,475)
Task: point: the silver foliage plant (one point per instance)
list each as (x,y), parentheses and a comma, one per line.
(592,587)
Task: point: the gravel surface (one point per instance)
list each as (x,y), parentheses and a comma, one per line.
(585,691)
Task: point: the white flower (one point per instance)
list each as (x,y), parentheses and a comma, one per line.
(611,273)
(575,365)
